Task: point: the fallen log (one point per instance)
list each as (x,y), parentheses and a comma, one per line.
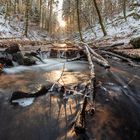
(96,57)
(7,43)
(131,63)
(111,47)
(99,59)
(89,97)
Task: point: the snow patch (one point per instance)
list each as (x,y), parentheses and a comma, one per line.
(24,102)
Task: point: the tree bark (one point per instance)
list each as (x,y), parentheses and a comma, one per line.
(100,18)
(50,16)
(124,9)
(27,17)
(78,20)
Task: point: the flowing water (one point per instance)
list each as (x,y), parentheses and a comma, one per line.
(117,113)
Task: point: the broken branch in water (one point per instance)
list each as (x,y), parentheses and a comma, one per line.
(80,119)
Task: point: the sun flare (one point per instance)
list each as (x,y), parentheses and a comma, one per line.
(62,23)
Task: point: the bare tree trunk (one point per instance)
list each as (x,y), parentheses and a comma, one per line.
(124,9)
(7,11)
(100,18)
(78,20)
(50,16)
(27,17)
(40,11)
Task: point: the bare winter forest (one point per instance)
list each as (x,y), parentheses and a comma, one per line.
(69,69)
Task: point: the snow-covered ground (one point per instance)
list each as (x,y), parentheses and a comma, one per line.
(117,28)
(15,29)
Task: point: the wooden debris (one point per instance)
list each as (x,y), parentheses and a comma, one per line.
(131,63)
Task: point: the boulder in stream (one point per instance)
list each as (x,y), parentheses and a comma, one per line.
(28,61)
(14,48)
(6,62)
(23,60)
(33,55)
(18,57)
(20,94)
(135,42)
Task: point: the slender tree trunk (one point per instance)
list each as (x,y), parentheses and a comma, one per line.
(7,10)
(50,17)
(27,17)
(40,11)
(100,18)
(78,20)
(89,24)
(124,9)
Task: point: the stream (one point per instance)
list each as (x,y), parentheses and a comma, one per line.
(117,114)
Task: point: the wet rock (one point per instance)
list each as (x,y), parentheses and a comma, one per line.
(53,53)
(79,129)
(18,57)
(92,111)
(19,94)
(135,42)
(33,55)
(28,61)
(6,62)
(14,48)
(81,133)
(1,68)
(107,100)
(21,60)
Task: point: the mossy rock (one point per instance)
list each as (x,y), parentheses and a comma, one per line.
(135,42)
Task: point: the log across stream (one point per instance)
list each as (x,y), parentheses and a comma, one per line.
(117,102)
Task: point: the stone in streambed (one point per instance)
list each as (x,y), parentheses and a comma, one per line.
(28,61)
(6,62)
(14,48)
(18,57)
(135,42)
(18,95)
